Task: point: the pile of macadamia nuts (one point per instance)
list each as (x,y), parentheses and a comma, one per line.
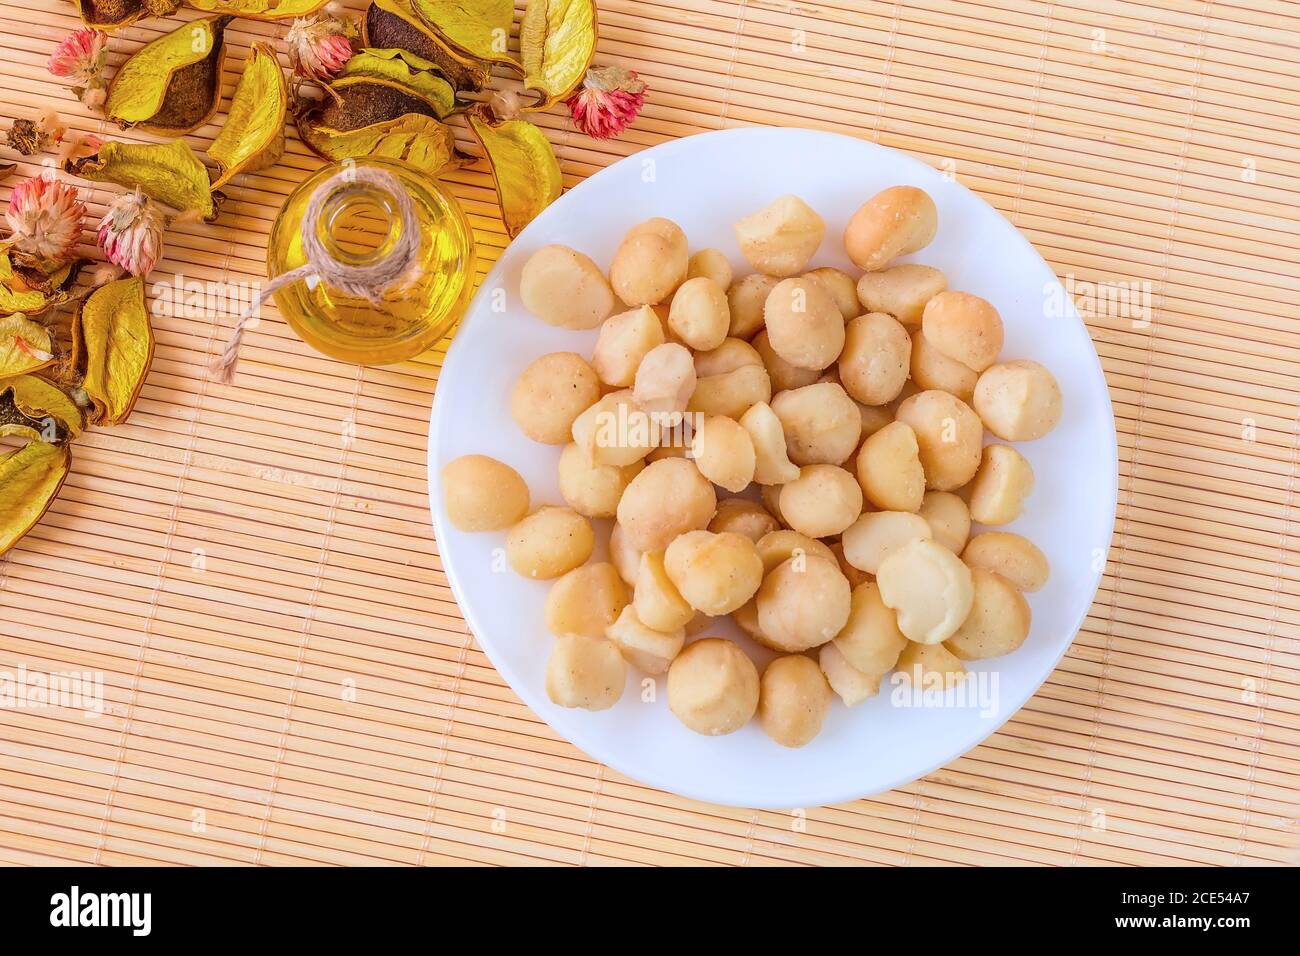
(820,488)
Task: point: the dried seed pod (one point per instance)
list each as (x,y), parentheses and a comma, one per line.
(172,85)
(113,345)
(476,28)
(252,137)
(25,346)
(32,406)
(393,24)
(168,173)
(30,291)
(401,71)
(30,478)
(556,44)
(524,167)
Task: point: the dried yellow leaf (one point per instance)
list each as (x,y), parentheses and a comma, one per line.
(480,28)
(557,40)
(111,14)
(25,346)
(30,477)
(257,9)
(114,344)
(393,24)
(23,291)
(401,70)
(41,406)
(172,85)
(169,173)
(524,167)
(252,137)
(418,140)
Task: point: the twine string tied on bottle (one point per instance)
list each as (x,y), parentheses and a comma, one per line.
(368,281)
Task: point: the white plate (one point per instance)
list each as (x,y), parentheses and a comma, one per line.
(705,183)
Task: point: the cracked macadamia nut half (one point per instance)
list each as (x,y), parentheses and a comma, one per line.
(563,287)
(657,601)
(803,603)
(895,222)
(870,639)
(483,494)
(713,687)
(781,238)
(650,263)
(889,469)
(643,647)
(804,325)
(724,453)
(715,573)
(772,464)
(746,297)
(929,589)
(712,264)
(1004,481)
(584,671)
(793,700)
(625,339)
(665,379)
(668,498)
(948,517)
(1018,401)
(878,534)
(551,393)
(849,684)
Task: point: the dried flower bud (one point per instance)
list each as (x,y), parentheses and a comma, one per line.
(319,46)
(80,57)
(45,216)
(610,98)
(29,137)
(131,233)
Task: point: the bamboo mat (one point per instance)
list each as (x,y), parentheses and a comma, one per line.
(288,679)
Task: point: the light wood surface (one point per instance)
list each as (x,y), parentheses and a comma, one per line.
(288,679)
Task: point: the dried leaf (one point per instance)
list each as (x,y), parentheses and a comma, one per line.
(557,40)
(30,477)
(24,290)
(172,85)
(25,346)
(419,140)
(114,346)
(31,405)
(393,24)
(524,167)
(112,14)
(252,137)
(168,173)
(7,170)
(401,70)
(479,28)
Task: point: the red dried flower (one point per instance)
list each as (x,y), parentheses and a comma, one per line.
(609,100)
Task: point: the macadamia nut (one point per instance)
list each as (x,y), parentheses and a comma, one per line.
(590,489)
(1018,401)
(746,297)
(1003,482)
(643,647)
(731,394)
(563,287)
(822,424)
(889,469)
(782,374)
(614,431)
(949,436)
(657,601)
(772,464)
(878,534)
(931,369)
(777,547)
(549,542)
(712,264)
(895,222)
(877,354)
(586,600)
(743,517)
(929,589)
(669,498)
(625,339)
(870,640)
(483,494)
(793,700)
(963,327)
(713,687)
(587,672)
(715,573)
(724,453)
(1009,555)
(998,621)
(822,501)
(849,684)
(650,263)
(665,379)
(625,558)
(901,291)
(803,608)
(930,665)
(841,287)
(782,237)
(550,393)
(948,518)
(804,325)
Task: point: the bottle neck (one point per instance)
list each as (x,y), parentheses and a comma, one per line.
(359,224)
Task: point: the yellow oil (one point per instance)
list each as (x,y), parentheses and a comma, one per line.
(416,311)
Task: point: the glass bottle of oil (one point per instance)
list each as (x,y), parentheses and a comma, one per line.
(359,225)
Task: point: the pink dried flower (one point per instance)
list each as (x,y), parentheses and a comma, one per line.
(319,46)
(45,216)
(80,57)
(610,98)
(131,233)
